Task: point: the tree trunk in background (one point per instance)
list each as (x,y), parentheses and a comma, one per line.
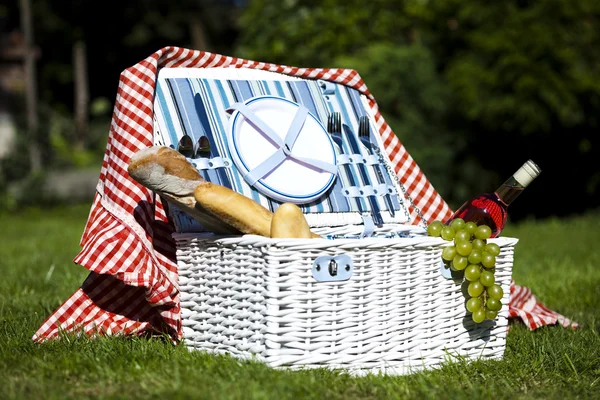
(82,96)
(35,154)
(198,33)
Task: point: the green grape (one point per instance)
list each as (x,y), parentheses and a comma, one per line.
(457,223)
(488,260)
(478,244)
(447,232)
(493,304)
(487,278)
(479,316)
(470,227)
(460,262)
(475,289)
(483,232)
(491,315)
(462,236)
(472,272)
(473,304)
(495,292)
(493,249)
(448,253)
(464,248)
(475,256)
(435,228)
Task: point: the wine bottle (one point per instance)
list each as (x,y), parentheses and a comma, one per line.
(491,208)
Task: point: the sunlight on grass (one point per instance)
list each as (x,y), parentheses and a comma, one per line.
(557,259)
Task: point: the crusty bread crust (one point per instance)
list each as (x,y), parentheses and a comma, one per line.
(234,209)
(289,222)
(163,169)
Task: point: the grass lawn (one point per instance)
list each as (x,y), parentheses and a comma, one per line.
(558,259)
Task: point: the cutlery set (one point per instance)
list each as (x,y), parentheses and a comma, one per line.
(341,134)
(364,133)
(354,141)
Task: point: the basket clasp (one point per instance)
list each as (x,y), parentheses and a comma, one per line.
(331,269)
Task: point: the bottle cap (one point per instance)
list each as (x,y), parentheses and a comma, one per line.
(527,173)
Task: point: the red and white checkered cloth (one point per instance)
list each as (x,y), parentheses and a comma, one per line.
(127,243)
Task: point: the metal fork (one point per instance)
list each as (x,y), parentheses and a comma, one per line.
(364,133)
(334,127)
(354,144)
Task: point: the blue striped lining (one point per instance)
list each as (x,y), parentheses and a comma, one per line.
(196,107)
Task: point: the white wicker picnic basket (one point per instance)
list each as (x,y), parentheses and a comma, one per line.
(362,299)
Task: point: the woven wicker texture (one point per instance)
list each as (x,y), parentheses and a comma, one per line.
(255,297)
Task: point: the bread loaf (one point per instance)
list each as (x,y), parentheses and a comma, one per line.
(169,174)
(289,222)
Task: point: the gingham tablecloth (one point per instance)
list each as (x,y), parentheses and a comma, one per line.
(127,244)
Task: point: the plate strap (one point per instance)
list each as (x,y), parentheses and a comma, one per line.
(284,148)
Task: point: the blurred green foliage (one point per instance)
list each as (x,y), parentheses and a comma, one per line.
(313,33)
(534,66)
(472,89)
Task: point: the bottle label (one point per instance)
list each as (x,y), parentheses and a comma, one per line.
(479,204)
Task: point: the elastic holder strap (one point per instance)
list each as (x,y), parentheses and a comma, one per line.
(368,226)
(211,163)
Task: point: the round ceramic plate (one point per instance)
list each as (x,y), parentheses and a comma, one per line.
(292,180)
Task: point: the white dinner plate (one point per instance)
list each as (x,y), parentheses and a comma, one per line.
(292,180)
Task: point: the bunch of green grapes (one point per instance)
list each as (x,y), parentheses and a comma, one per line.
(471,253)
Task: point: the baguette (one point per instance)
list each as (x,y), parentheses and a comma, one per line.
(169,174)
(234,209)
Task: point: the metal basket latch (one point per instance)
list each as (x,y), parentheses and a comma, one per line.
(332,269)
